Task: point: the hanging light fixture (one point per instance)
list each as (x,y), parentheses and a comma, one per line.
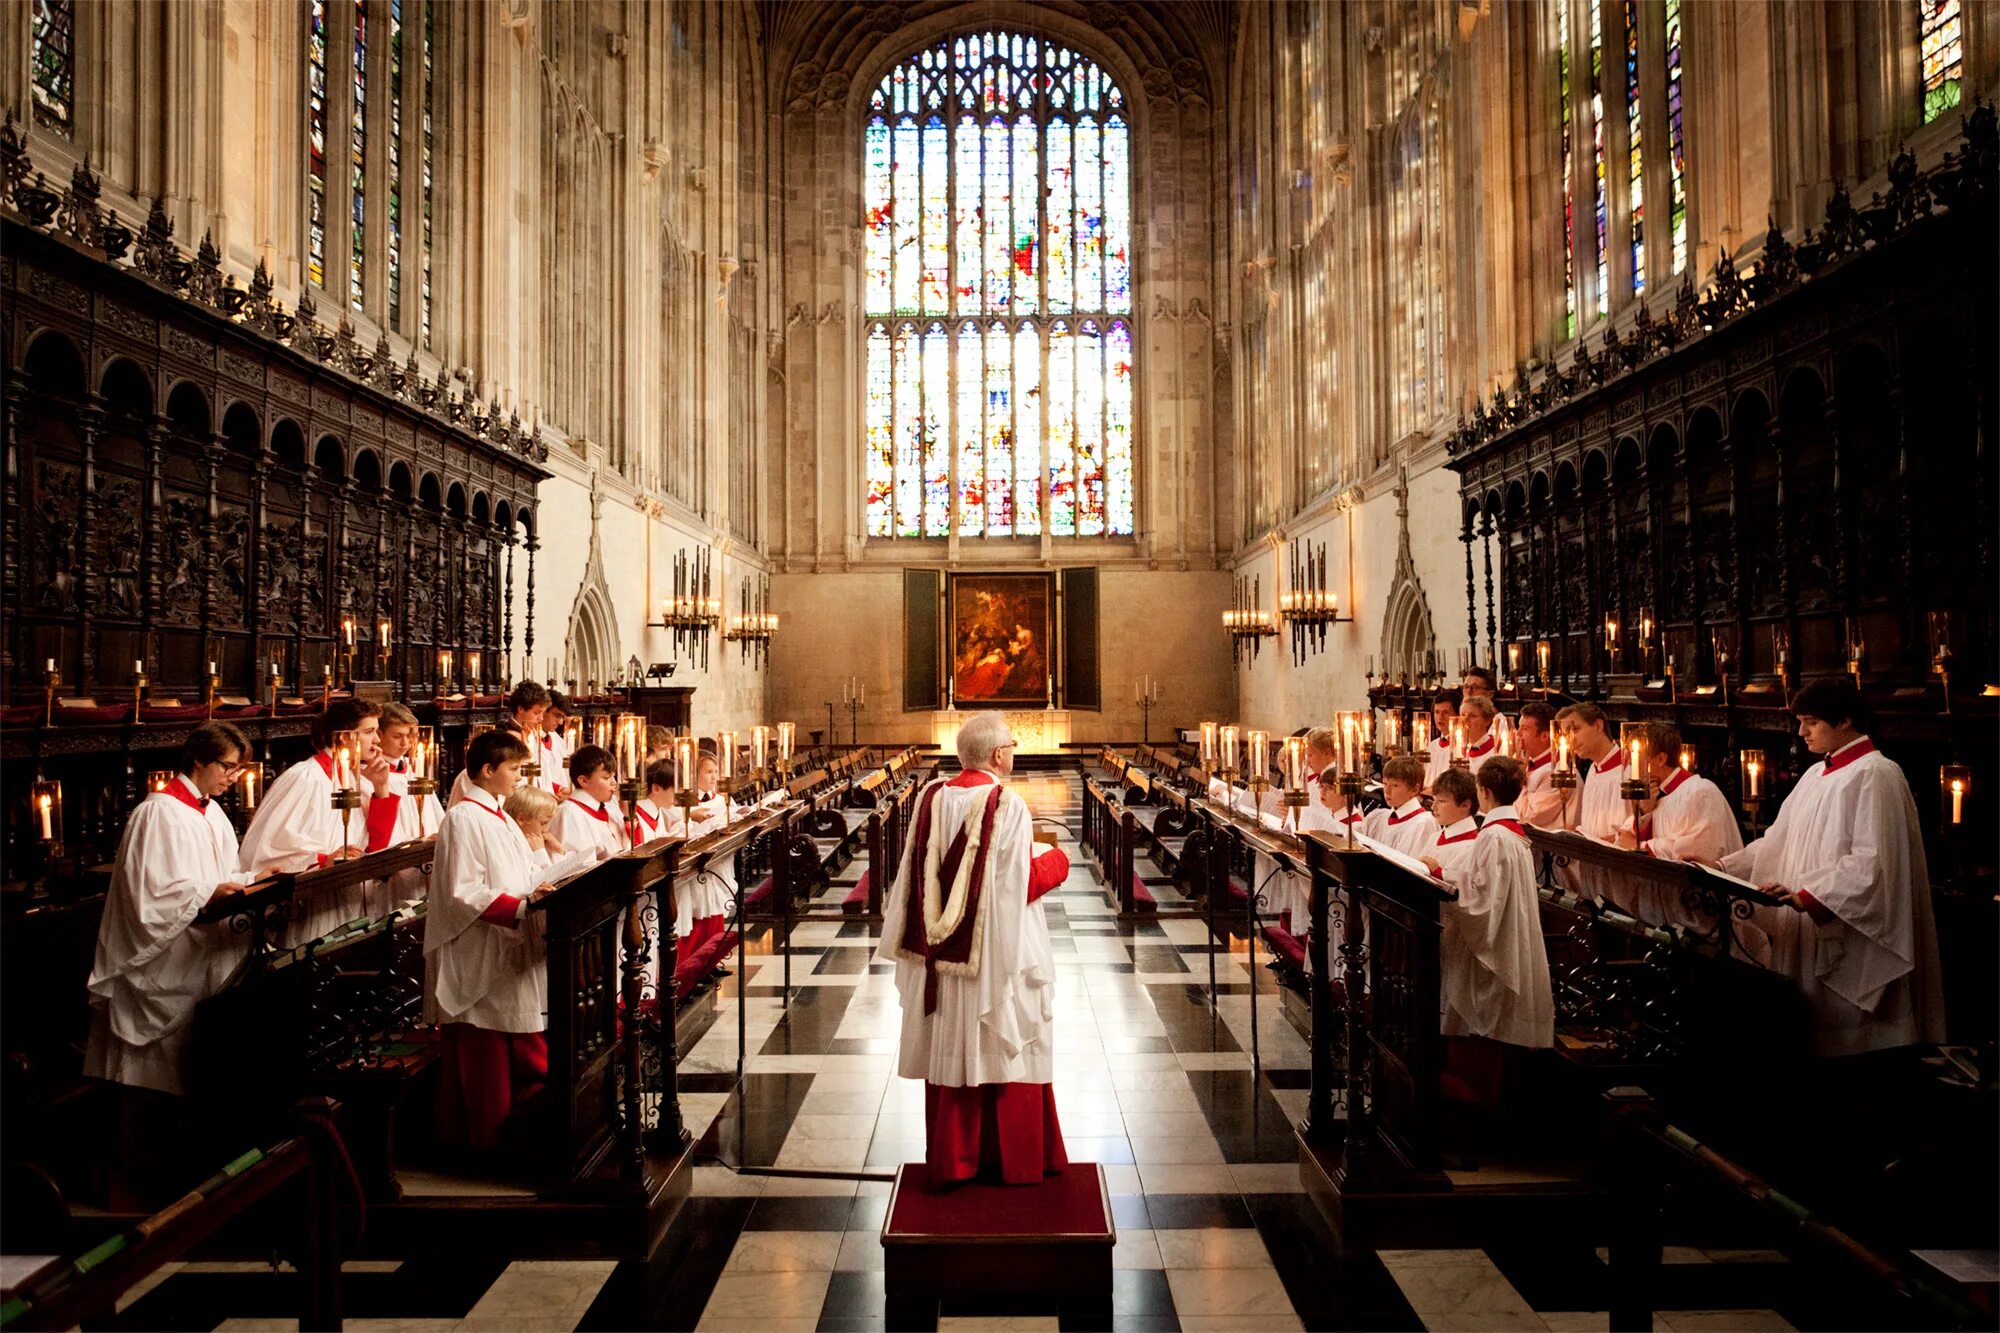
(752,628)
(693,611)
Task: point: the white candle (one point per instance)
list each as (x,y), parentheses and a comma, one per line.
(1957,801)
(138,668)
(52,665)
(46,807)
(211,668)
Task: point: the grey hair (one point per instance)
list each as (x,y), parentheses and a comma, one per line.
(979,736)
(1478,703)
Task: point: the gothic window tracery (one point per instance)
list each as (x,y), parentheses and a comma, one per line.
(53,64)
(998,371)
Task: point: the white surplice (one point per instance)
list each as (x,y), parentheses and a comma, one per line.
(1692,822)
(414,819)
(1436,760)
(997,1026)
(153,963)
(1850,839)
(553,755)
(491,974)
(1495,968)
(1452,849)
(581,822)
(1540,803)
(296,828)
(1409,828)
(1601,809)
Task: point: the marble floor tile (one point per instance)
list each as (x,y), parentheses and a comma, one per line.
(1227,1292)
(1265,1323)
(541,1293)
(823,1154)
(1136,1248)
(1454,1292)
(1187,1180)
(1191,1150)
(998,1324)
(1213,1247)
(1267,1177)
(860,1252)
(784,1252)
(1723,1321)
(765,1297)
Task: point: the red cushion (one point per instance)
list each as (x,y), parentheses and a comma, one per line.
(1070,1203)
(1238,890)
(758,896)
(1286,945)
(857,897)
(1142,897)
(706,957)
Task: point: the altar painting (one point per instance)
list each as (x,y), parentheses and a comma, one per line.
(1000,630)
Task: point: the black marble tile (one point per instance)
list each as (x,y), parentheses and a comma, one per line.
(1288,1078)
(857,930)
(841,961)
(1137,1292)
(670,1290)
(786,1212)
(855,1296)
(839,1324)
(868,1213)
(1184,1212)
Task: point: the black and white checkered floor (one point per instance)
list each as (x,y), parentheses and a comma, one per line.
(1213,1231)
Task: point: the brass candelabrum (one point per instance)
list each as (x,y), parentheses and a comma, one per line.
(1295,800)
(1257,786)
(629,792)
(1352,785)
(420,790)
(728,787)
(346,800)
(1634,791)
(685,798)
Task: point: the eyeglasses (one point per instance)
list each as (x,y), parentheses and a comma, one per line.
(232,769)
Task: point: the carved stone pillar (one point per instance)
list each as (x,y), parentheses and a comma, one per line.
(211,552)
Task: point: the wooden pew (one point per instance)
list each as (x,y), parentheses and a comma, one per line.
(884,834)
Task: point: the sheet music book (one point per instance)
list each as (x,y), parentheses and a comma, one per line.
(1388,853)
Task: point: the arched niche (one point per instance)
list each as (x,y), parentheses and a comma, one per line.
(242,433)
(288,444)
(54,368)
(188,411)
(368,472)
(330,459)
(127,392)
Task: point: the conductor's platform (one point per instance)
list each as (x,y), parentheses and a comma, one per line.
(1013,1249)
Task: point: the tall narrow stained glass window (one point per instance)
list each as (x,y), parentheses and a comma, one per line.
(997,293)
(395,162)
(430,43)
(1600,203)
(1677,203)
(1941,43)
(316,142)
(357,144)
(1568,169)
(52,61)
(1635,201)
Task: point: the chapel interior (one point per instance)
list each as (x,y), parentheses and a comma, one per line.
(1246,400)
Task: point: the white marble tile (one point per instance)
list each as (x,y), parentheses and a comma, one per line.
(545,1293)
(860,1252)
(997,1324)
(1136,1248)
(783,1064)
(721,1182)
(762,1300)
(1267,1178)
(823,1154)
(1204,1060)
(1587,1321)
(813,1187)
(1449,1294)
(1184,1150)
(783,1252)
(1121,1179)
(832,1126)
(1231,1293)
(1213,1247)
(1187,1180)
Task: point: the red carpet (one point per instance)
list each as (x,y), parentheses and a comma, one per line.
(1071,1204)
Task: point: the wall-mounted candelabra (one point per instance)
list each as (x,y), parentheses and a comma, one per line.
(751,629)
(1247,623)
(1309,605)
(693,612)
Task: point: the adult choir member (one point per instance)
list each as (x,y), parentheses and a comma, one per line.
(1477,717)
(296,827)
(1403,823)
(485,975)
(1444,711)
(1845,852)
(1539,802)
(154,964)
(1689,819)
(975,971)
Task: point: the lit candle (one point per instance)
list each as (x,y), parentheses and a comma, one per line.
(1294,761)
(1513,661)
(472,665)
(1687,759)
(274,671)
(1230,752)
(760,748)
(1207,747)
(45,807)
(347,629)
(159,780)
(211,669)
(684,763)
(1420,733)
(1542,656)
(252,783)
(725,754)
(1752,762)
(382,634)
(1562,754)
(1260,753)
(138,668)
(344,768)
(788,733)
(1957,801)
(1457,740)
(51,668)
(1348,747)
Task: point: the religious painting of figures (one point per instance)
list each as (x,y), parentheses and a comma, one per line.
(1000,640)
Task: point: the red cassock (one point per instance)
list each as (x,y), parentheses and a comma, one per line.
(976,975)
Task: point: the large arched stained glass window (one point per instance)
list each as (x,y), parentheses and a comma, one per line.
(998,294)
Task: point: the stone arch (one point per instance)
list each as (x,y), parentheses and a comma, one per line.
(591,648)
(1407,631)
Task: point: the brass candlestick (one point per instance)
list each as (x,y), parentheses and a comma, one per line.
(728,786)
(684,797)
(214,684)
(346,800)
(1295,801)
(629,792)
(1351,786)
(53,679)
(420,788)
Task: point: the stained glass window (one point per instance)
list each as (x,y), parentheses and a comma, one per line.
(316,142)
(53,57)
(357,132)
(996,169)
(1599,202)
(1636,180)
(1940,32)
(1568,169)
(1676,140)
(430,41)
(395,162)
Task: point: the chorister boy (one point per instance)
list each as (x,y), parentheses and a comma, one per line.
(416,817)
(589,816)
(1403,824)
(296,827)
(485,975)
(1495,970)
(1596,807)
(554,753)
(1454,799)
(1444,711)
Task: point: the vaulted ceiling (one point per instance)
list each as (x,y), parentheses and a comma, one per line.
(1188,40)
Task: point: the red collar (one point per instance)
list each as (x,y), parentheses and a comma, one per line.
(325,764)
(479,796)
(1849,753)
(178,789)
(1395,818)
(1484,747)
(597,812)
(1467,836)
(1511,825)
(1548,757)
(400,766)
(1350,817)
(973,777)
(548,741)
(644,818)
(1611,763)
(1674,780)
